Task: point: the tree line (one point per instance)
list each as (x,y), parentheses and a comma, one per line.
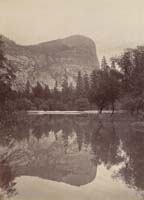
(90,92)
(118,85)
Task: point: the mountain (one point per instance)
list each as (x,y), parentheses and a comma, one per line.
(48,61)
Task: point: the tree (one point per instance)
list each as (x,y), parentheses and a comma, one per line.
(104,65)
(86,84)
(107,88)
(125,65)
(56,95)
(99,94)
(65,88)
(71,91)
(79,85)
(6,76)
(114,87)
(113,63)
(38,90)
(23,104)
(131,64)
(82,104)
(47,92)
(93,80)
(27,92)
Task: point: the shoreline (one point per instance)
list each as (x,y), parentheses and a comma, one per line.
(40,112)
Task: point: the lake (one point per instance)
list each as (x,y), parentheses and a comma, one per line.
(74,157)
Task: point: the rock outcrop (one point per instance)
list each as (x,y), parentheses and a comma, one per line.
(47,62)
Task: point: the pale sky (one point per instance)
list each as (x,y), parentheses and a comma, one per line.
(112,24)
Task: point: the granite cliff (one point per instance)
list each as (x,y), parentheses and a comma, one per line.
(46,62)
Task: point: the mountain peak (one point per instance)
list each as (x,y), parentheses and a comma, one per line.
(46,62)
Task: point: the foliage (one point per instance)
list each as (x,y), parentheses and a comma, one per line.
(10,106)
(46,92)
(79,85)
(131,64)
(105,86)
(86,85)
(38,91)
(23,104)
(82,104)
(122,82)
(6,76)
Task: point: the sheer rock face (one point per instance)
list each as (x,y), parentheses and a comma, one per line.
(47,62)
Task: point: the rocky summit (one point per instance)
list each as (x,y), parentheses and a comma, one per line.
(47,62)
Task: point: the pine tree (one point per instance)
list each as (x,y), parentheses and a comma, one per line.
(38,90)
(65,88)
(47,92)
(86,84)
(93,80)
(56,92)
(71,91)
(27,92)
(104,65)
(71,95)
(79,85)
(113,66)
(65,81)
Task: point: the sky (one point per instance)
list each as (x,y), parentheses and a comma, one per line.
(113,24)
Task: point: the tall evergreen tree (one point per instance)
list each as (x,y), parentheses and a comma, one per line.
(56,95)
(104,65)
(79,85)
(71,91)
(113,63)
(38,90)
(65,88)
(93,80)
(47,92)
(86,84)
(27,92)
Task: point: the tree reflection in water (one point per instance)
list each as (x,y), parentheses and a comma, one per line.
(54,147)
(133,170)
(7,178)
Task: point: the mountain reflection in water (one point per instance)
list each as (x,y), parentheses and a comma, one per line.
(70,149)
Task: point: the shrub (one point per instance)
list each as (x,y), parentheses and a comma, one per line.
(133,104)
(61,106)
(82,104)
(10,106)
(23,104)
(44,106)
(37,103)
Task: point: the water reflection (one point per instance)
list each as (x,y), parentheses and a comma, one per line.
(69,149)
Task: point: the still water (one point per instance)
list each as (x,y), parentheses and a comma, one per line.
(84,157)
